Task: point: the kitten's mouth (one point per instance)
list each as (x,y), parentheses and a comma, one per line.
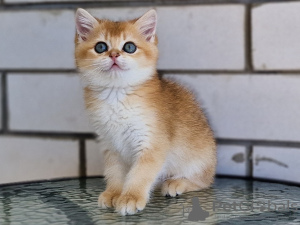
(115,66)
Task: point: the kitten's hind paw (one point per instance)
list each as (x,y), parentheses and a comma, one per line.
(172,188)
(108,199)
(176,187)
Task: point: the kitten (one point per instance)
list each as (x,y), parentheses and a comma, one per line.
(153,129)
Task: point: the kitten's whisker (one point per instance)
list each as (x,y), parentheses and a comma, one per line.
(92,65)
(90,72)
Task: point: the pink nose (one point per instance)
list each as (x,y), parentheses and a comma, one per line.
(114,55)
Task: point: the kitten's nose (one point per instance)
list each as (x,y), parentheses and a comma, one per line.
(114,55)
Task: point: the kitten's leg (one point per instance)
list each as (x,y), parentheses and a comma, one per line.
(174,187)
(141,177)
(115,172)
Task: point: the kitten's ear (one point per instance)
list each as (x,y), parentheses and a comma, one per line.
(85,22)
(147,25)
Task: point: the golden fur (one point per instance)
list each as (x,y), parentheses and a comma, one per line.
(169,142)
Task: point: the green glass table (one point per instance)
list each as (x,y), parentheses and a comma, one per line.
(228,201)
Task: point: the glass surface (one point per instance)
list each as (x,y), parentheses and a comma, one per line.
(229,201)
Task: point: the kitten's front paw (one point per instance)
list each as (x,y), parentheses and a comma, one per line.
(108,199)
(130,204)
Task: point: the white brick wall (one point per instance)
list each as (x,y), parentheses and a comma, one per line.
(233,160)
(46,102)
(26,159)
(278,163)
(246,108)
(276,34)
(261,107)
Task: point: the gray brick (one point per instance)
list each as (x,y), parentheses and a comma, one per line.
(278,163)
(27,159)
(37,39)
(46,102)
(233,160)
(202,37)
(276,34)
(261,107)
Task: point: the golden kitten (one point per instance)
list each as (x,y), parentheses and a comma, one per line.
(153,129)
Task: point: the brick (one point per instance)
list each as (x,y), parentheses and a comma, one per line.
(94,159)
(279,163)
(260,107)
(1,110)
(189,40)
(46,102)
(275,34)
(40,39)
(27,159)
(232,160)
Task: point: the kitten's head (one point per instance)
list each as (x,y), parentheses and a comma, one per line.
(116,54)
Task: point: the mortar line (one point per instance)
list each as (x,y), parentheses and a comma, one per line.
(4,103)
(92,136)
(248,38)
(36,71)
(43,134)
(82,158)
(250,161)
(253,142)
(109,4)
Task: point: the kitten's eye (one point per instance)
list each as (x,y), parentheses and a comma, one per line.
(100,47)
(129,47)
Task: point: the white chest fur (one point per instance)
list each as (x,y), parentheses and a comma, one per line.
(121,125)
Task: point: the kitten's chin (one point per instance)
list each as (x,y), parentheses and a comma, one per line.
(117,77)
